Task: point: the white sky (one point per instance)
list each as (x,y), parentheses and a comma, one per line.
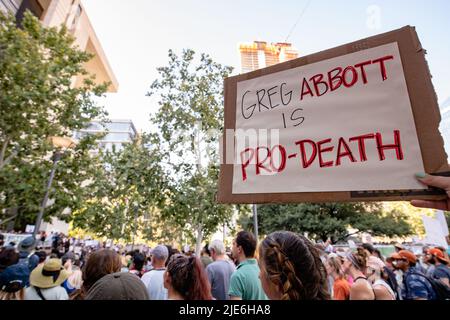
(137,34)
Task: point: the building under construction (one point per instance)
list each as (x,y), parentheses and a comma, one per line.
(260,54)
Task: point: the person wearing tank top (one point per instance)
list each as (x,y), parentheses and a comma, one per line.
(355,265)
(376,276)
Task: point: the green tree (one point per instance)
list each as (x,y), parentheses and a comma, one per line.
(329,220)
(413,215)
(37,100)
(189,119)
(124,194)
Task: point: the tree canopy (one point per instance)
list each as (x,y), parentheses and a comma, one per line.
(37,100)
(125,192)
(329,220)
(189,119)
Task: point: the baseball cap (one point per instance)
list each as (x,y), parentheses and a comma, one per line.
(160,252)
(438,254)
(14,277)
(118,286)
(405,254)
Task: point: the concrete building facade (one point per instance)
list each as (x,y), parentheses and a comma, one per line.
(71,13)
(116,133)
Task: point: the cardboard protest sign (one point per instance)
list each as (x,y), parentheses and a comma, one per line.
(353,123)
(443,222)
(434,233)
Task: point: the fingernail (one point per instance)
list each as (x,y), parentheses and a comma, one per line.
(421,175)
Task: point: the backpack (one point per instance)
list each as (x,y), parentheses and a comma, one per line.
(26,260)
(392,282)
(441,290)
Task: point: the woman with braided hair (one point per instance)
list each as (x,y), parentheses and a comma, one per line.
(185,279)
(291,268)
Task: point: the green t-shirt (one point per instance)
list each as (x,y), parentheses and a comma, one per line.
(245,282)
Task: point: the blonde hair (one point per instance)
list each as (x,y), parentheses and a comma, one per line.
(335,264)
(76,279)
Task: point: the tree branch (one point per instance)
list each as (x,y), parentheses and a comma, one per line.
(347,235)
(8,219)
(3,151)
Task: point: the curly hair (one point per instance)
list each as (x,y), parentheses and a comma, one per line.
(293,263)
(189,278)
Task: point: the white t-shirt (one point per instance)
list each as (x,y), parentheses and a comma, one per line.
(55,293)
(154,281)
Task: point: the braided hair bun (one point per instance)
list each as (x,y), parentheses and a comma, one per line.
(293,264)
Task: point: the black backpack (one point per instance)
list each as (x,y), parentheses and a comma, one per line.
(441,290)
(391,281)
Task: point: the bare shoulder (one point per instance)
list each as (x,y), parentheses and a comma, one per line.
(361,290)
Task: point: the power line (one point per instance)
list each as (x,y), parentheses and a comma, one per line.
(298,20)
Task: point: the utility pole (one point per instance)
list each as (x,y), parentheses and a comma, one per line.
(255,220)
(135,225)
(56,157)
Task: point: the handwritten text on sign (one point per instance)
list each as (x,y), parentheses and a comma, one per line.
(342,124)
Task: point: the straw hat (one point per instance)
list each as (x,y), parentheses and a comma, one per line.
(48,275)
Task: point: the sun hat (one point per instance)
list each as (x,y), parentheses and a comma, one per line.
(27,244)
(49,275)
(118,286)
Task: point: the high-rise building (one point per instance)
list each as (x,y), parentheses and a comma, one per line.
(116,133)
(72,14)
(259,54)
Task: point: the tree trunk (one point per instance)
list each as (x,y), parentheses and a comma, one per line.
(198,242)
(4,161)
(3,152)
(13,212)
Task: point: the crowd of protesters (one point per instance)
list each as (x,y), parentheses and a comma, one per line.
(283,266)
